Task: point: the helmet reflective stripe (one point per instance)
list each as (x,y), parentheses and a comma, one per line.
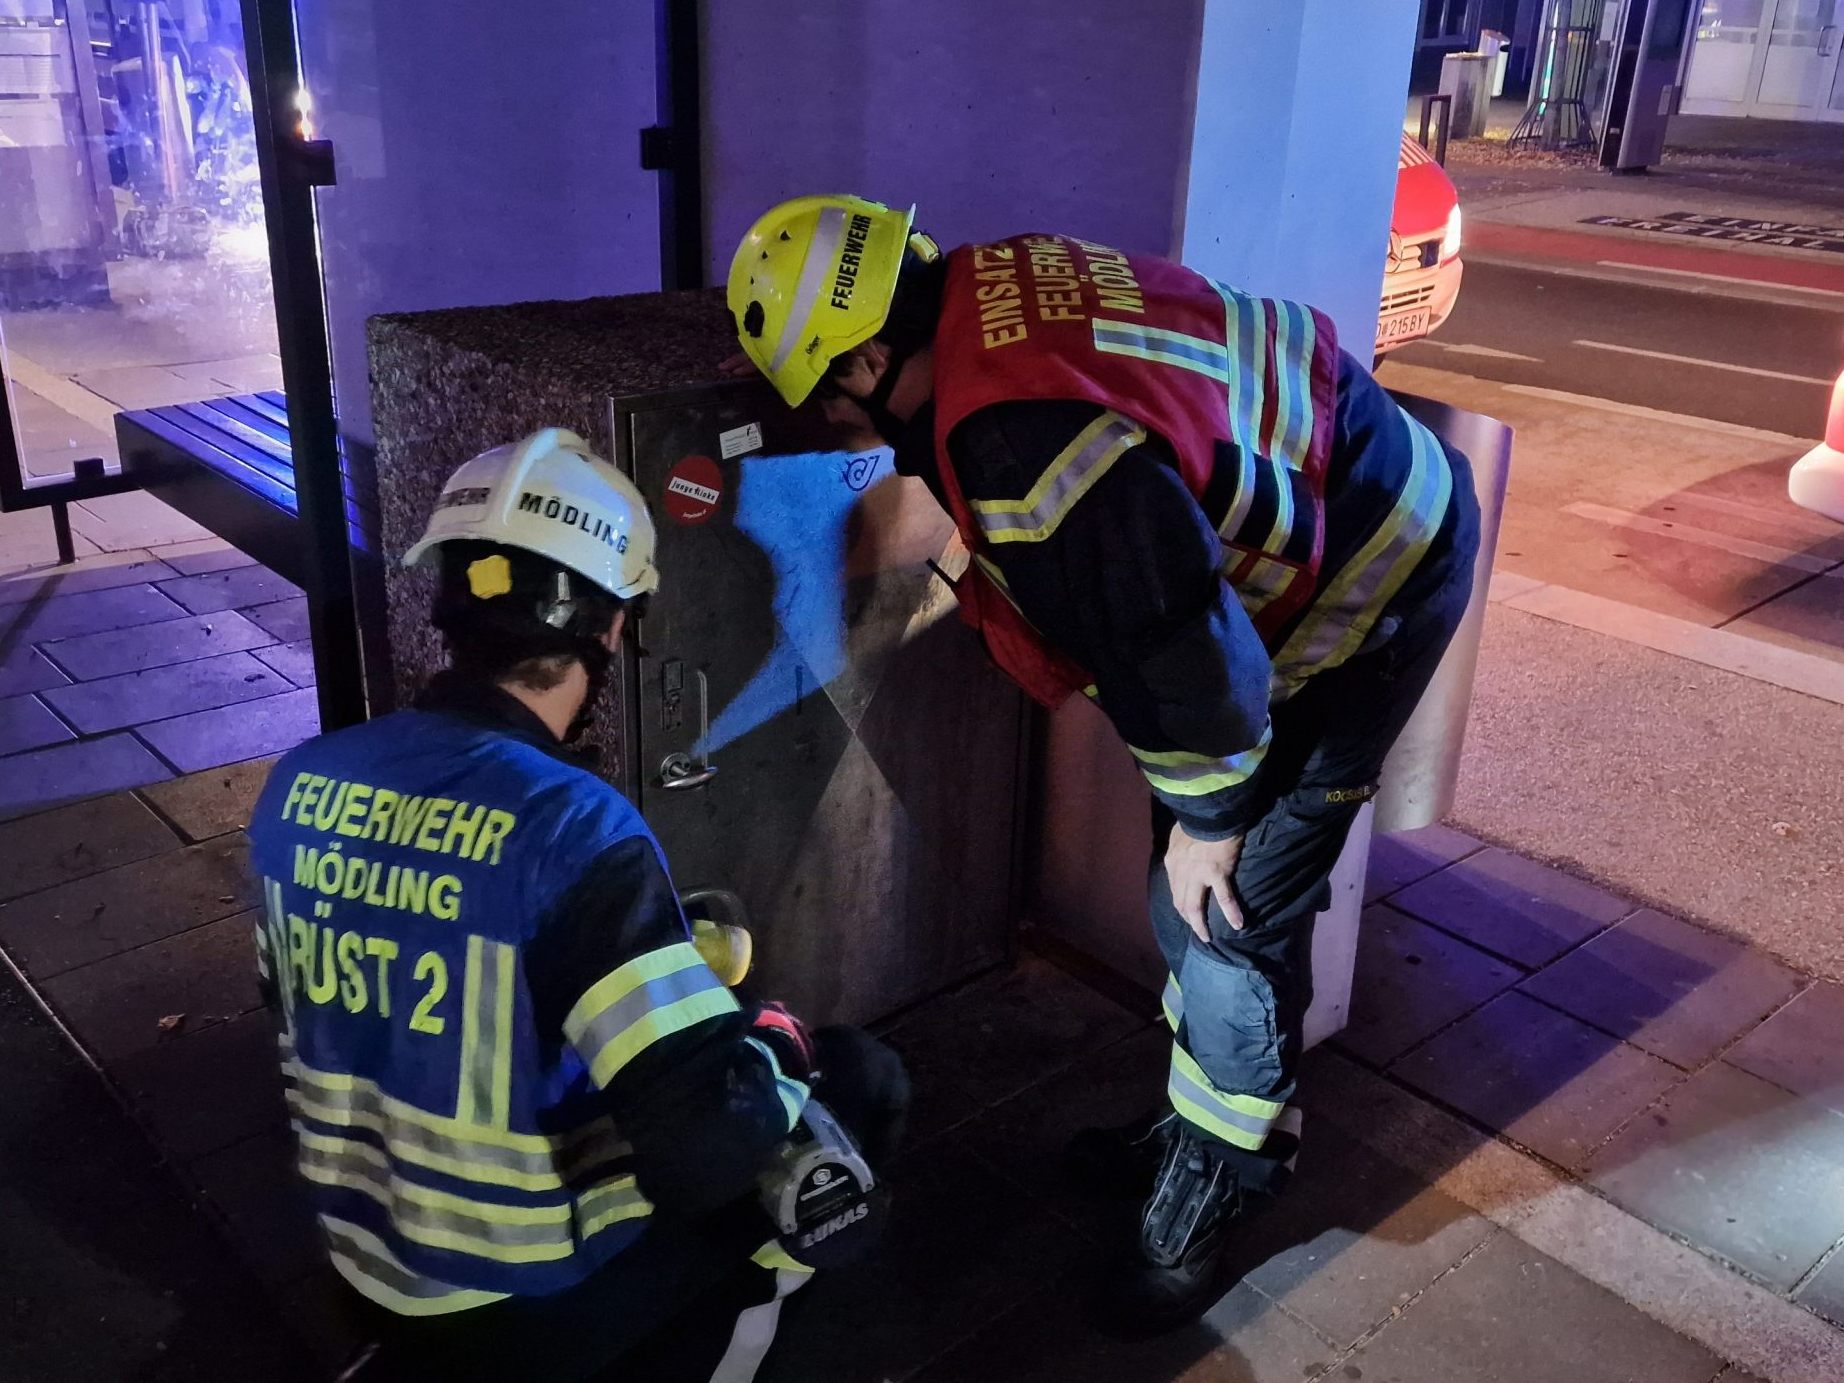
(821,254)
(550,495)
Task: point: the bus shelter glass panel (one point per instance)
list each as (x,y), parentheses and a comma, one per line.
(134,266)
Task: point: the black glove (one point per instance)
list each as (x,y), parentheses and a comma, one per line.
(863,1082)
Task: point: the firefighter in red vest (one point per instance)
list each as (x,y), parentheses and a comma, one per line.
(1191,506)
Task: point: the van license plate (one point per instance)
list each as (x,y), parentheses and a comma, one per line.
(1402,326)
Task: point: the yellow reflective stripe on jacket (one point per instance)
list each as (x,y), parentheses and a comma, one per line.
(375,1273)
(1242,1121)
(609,1202)
(773,1255)
(1172,1003)
(1337,623)
(1065,480)
(649,998)
(494,1157)
(439,1219)
(486,1034)
(794,1094)
(1184,774)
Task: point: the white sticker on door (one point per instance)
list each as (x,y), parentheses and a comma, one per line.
(739,440)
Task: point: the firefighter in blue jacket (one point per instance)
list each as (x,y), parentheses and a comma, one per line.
(1189,505)
(530,1116)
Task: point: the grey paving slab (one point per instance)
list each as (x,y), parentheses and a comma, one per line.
(26,723)
(131,519)
(84,575)
(1511,1314)
(1667,987)
(162,992)
(203,555)
(963,1245)
(1413,980)
(86,920)
(1550,1081)
(229,589)
(1007,1030)
(1799,1048)
(24,669)
(43,778)
(256,1190)
(1825,1292)
(64,616)
(286,619)
(71,842)
(1516,907)
(1398,860)
(114,651)
(1024,1137)
(1245,1338)
(1733,1374)
(1354,1238)
(295,661)
(209,1090)
(109,1273)
(210,803)
(159,693)
(1738,1166)
(1590,749)
(231,734)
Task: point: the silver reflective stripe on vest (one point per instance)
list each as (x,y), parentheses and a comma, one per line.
(1065,480)
(485,1095)
(1163,347)
(526,1161)
(375,1273)
(441,1220)
(1248,350)
(822,256)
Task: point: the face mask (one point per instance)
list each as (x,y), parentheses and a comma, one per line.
(876,404)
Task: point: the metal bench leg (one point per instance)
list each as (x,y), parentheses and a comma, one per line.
(60,527)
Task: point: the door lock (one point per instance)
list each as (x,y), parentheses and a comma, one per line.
(680,772)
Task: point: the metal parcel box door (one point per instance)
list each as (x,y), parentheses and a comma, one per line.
(867,757)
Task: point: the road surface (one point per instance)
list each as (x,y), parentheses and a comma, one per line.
(1701,349)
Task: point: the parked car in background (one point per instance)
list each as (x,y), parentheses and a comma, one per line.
(1422,278)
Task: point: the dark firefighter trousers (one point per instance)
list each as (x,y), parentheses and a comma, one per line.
(1237,1005)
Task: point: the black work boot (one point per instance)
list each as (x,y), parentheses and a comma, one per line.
(1119,1161)
(1203,1194)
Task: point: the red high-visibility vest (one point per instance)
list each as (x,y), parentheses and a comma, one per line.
(1241,388)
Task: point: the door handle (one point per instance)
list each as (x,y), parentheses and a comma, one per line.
(1826,36)
(681,772)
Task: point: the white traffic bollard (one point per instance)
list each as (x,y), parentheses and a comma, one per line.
(1816,481)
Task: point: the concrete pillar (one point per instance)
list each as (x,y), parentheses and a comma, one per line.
(1286,191)
(1292,168)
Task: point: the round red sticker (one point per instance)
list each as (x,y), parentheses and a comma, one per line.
(694,488)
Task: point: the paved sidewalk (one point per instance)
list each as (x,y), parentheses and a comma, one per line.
(1671,1077)
(172,654)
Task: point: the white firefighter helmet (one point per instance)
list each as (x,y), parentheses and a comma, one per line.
(551,495)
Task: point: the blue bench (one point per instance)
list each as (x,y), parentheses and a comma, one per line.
(227,465)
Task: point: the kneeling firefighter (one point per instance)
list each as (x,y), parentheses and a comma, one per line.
(538,1131)
(1188,504)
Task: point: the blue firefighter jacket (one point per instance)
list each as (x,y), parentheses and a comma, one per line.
(500,1047)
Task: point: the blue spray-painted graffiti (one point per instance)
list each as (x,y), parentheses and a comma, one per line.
(795,509)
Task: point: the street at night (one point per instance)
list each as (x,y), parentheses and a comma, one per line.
(721,693)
